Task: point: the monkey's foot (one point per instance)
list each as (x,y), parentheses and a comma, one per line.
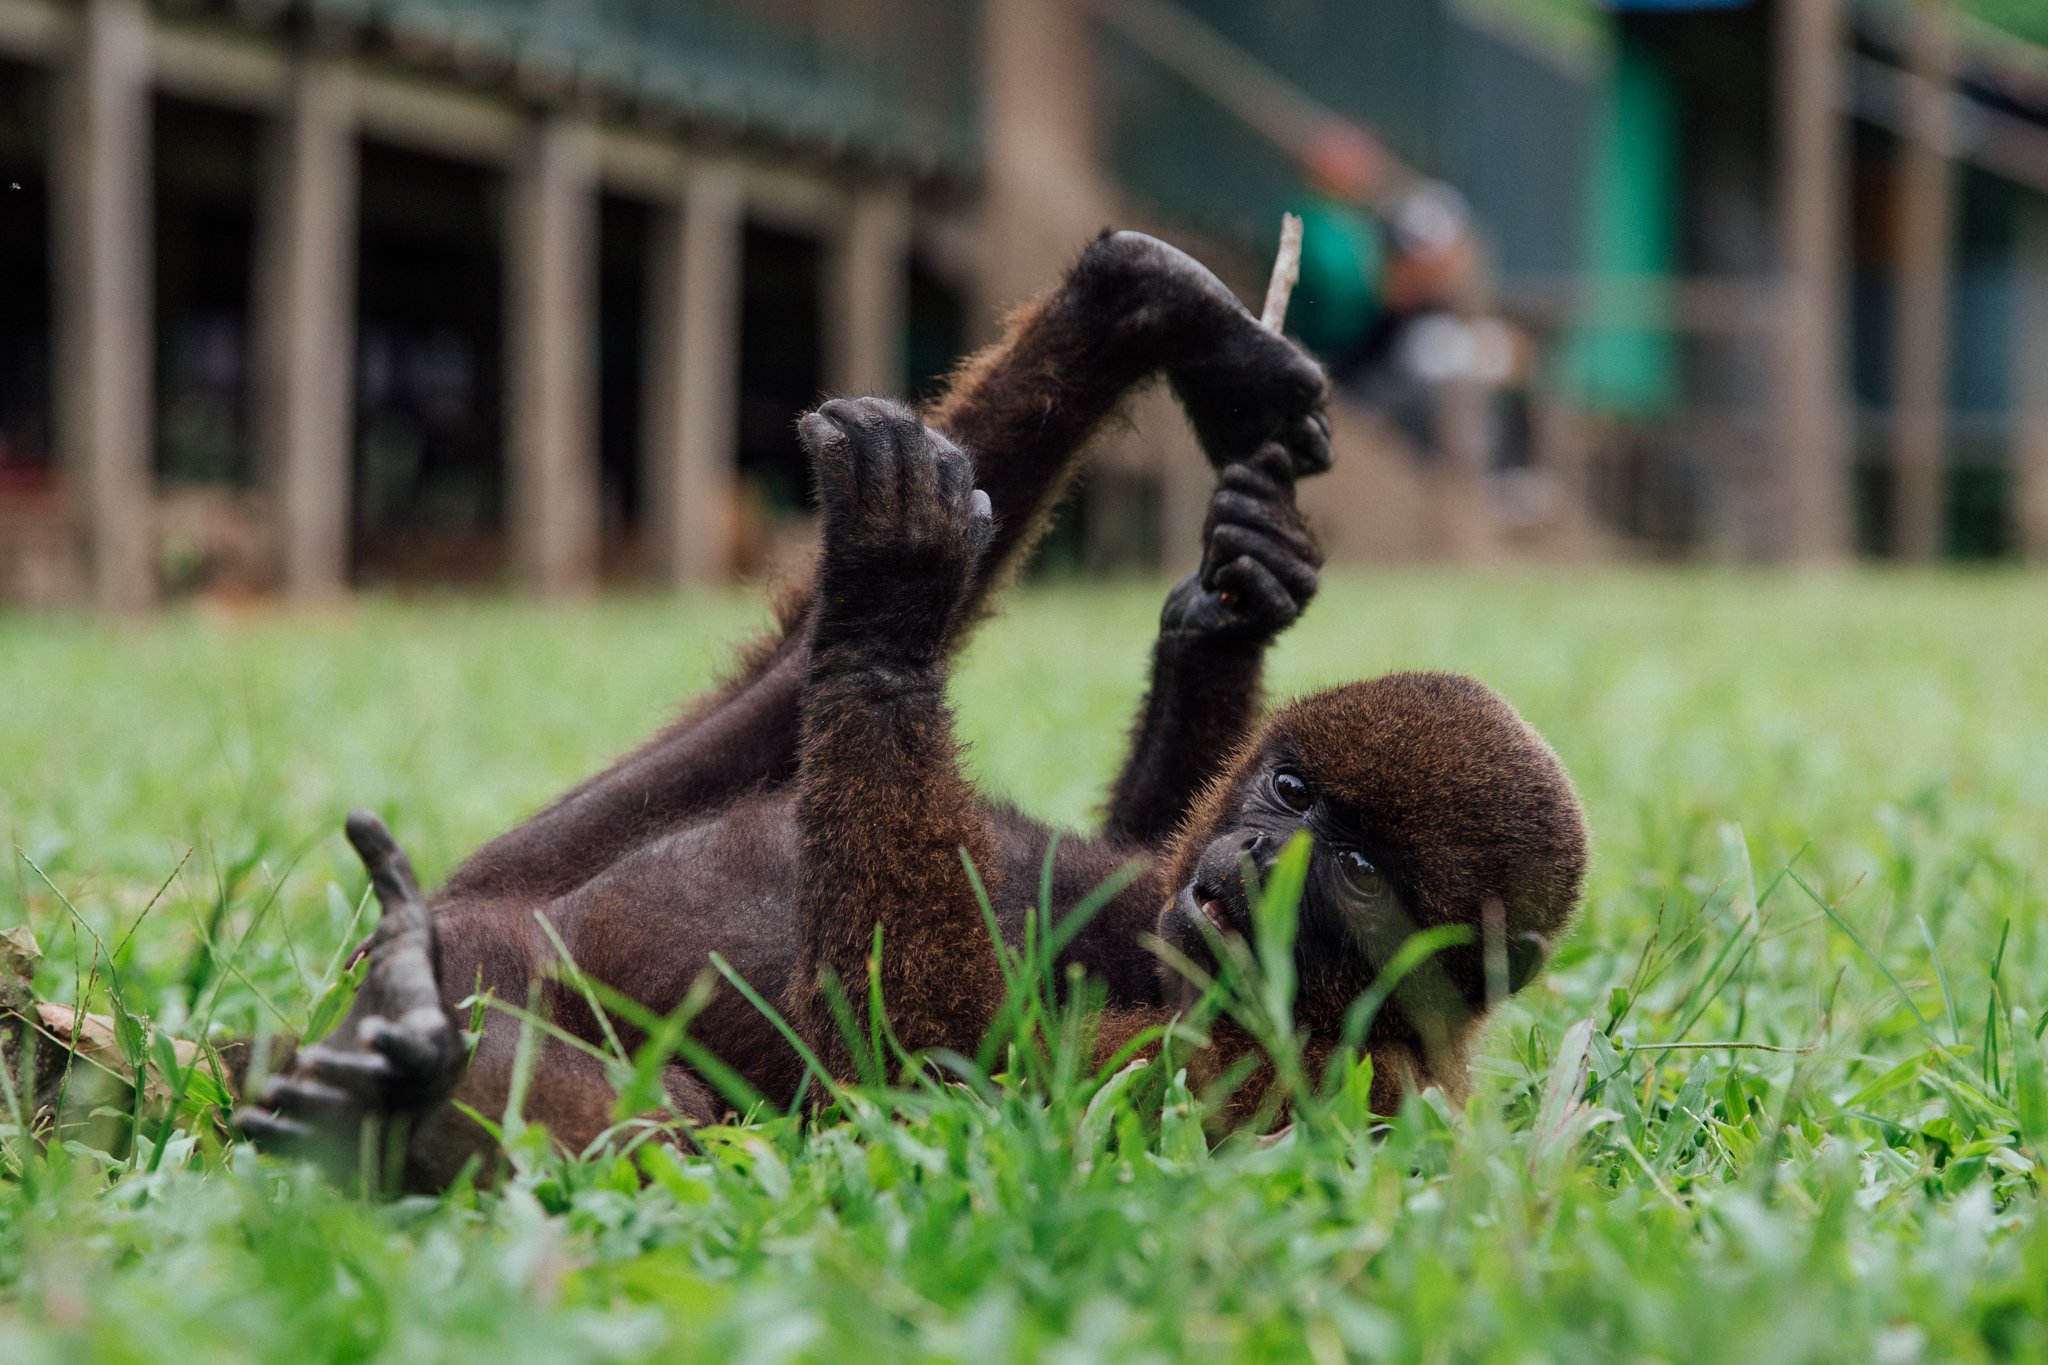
(905,527)
(1243,385)
(349,1101)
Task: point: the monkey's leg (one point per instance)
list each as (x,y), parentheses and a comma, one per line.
(883,811)
(1132,307)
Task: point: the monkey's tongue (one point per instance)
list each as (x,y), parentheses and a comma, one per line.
(1213,908)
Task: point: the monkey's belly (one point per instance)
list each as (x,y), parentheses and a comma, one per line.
(649,924)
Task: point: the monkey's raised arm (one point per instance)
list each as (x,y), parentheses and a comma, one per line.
(1258,572)
(883,810)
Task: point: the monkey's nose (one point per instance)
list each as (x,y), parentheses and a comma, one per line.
(1252,845)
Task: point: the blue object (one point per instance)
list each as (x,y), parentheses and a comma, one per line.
(1672,6)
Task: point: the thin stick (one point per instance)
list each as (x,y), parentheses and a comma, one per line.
(1279,289)
(1286,271)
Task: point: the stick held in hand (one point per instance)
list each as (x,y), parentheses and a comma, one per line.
(1286,273)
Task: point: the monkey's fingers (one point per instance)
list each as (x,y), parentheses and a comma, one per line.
(947,481)
(1231,542)
(1266,477)
(1270,471)
(1250,589)
(1273,518)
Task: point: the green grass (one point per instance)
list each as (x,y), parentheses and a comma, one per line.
(1819,805)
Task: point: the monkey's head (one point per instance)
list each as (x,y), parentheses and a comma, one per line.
(1429,802)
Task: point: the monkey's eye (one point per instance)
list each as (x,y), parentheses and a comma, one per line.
(1292,791)
(1363,879)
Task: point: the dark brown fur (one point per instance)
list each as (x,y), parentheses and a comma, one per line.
(817,797)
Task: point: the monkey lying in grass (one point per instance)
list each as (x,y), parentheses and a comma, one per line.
(818,796)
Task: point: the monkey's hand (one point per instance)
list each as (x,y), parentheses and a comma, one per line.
(1259,559)
(905,529)
(350,1101)
(1241,384)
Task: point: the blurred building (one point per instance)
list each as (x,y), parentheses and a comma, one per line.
(1784,262)
(302,294)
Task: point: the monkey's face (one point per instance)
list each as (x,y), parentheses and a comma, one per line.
(1428,802)
(1351,893)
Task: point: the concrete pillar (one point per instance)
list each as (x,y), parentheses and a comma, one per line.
(1812,484)
(100,181)
(1920,333)
(1044,193)
(551,365)
(305,324)
(867,293)
(693,379)
(2030,390)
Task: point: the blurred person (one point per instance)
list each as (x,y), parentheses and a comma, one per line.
(1380,293)
(1340,296)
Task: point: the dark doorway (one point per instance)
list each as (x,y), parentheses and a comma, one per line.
(25,453)
(430,476)
(624,226)
(205,173)
(936,327)
(781,360)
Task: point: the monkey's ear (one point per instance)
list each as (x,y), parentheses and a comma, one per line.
(1526,955)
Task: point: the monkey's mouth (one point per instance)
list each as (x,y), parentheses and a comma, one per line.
(1200,903)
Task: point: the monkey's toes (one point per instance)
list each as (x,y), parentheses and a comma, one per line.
(380,1070)
(391,874)
(890,484)
(422,1053)
(369,836)
(271,1131)
(1307,441)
